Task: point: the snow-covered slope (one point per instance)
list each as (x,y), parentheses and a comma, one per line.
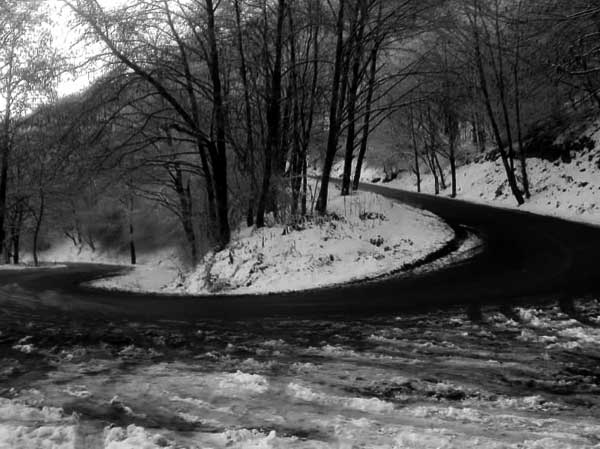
(568,190)
(366,236)
(566,187)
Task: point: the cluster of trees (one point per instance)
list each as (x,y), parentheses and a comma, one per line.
(491,72)
(223,101)
(29,65)
(214,109)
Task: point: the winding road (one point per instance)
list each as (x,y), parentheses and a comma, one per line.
(527,258)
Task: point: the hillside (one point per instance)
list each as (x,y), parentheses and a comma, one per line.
(364,236)
(564,176)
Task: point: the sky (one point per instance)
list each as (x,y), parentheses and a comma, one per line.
(65,38)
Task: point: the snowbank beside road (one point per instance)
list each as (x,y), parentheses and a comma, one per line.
(8,267)
(365,236)
(566,190)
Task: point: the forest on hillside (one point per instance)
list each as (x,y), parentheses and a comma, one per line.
(204,115)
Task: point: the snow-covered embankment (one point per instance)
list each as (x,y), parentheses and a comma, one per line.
(365,236)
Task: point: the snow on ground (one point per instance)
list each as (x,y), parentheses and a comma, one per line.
(26,426)
(431,380)
(365,236)
(133,437)
(570,191)
(158,276)
(5,267)
(566,190)
(557,330)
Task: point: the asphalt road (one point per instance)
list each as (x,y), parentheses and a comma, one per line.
(527,258)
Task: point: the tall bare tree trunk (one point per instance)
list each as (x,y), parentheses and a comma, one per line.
(433,168)
(452,159)
(185,203)
(3,185)
(308,125)
(436,160)
(500,81)
(486,96)
(16,230)
(304,186)
(357,51)
(5,150)
(132,252)
(218,150)
(451,121)
(367,119)
(38,226)
(516,79)
(296,156)
(273,118)
(250,148)
(332,138)
(413,136)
